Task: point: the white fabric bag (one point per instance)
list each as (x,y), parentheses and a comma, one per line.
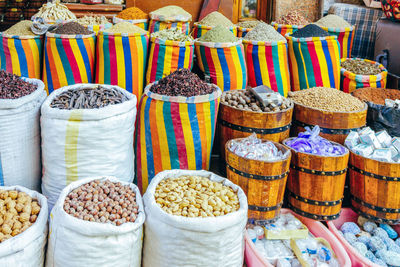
(28,248)
(20,162)
(75,242)
(181,241)
(84,143)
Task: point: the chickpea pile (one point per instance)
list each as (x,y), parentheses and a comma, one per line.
(102,202)
(195,196)
(18,211)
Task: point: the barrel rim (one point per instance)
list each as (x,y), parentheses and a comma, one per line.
(335,112)
(381,161)
(315,155)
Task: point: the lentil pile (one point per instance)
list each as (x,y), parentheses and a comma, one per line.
(53,11)
(195,196)
(328,99)
(218,34)
(333,21)
(293,18)
(182,82)
(102,202)
(88,98)
(132,13)
(22,28)
(18,212)
(311,30)
(173,34)
(125,27)
(13,87)
(93,20)
(376,95)
(71,28)
(248,23)
(264,33)
(215,18)
(171,11)
(361,67)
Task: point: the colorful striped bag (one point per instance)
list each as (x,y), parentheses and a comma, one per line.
(21,55)
(268,64)
(241,32)
(121,60)
(157,25)
(350,81)
(199,30)
(68,59)
(314,61)
(283,29)
(166,56)
(98,27)
(142,23)
(345,37)
(224,63)
(174,133)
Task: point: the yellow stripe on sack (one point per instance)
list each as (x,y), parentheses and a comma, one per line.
(345,43)
(283,68)
(71,145)
(372,81)
(119,49)
(323,66)
(162,135)
(217,66)
(187,134)
(304,65)
(187,56)
(35,54)
(143,145)
(62,78)
(167,60)
(207,118)
(100,60)
(236,62)
(262,60)
(352,86)
(16,69)
(79,59)
(141,67)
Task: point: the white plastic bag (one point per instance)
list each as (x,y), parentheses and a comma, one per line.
(74,242)
(27,248)
(181,241)
(20,139)
(84,143)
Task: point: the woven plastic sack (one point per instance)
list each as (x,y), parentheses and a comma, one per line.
(241,32)
(159,22)
(20,139)
(98,27)
(82,143)
(179,241)
(75,242)
(284,29)
(142,23)
(345,37)
(199,30)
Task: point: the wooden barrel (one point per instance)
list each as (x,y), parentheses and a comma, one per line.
(375,188)
(335,126)
(263,182)
(316,184)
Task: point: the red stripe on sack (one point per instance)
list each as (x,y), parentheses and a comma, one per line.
(315,64)
(97,74)
(210,64)
(179,137)
(271,68)
(7,54)
(113,61)
(250,65)
(154,62)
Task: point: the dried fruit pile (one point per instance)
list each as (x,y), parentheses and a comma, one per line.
(13,87)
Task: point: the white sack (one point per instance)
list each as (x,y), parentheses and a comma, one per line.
(20,162)
(181,241)
(27,248)
(86,142)
(74,242)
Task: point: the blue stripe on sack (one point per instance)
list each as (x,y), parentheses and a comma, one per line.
(242,66)
(169,129)
(23,64)
(50,85)
(181,60)
(1,173)
(128,63)
(65,62)
(225,69)
(329,63)
(160,62)
(85,58)
(194,124)
(2,54)
(212,113)
(149,147)
(256,64)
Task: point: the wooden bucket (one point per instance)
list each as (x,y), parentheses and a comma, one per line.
(335,126)
(263,182)
(316,184)
(375,188)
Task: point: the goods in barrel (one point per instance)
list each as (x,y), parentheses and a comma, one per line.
(248,23)
(218,34)
(71,28)
(333,21)
(215,18)
(102,202)
(182,82)
(18,211)
(132,13)
(293,18)
(361,67)
(376,95)
(13,87)
(171,11)
(125,27)
(311,30)
(88,98)
(93,20)
(195,196)
(173,34)
(264,33)
(22,28)
(328,99)
(53,11)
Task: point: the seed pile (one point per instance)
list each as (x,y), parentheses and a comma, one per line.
(182,82)
(248,23)
(88,98)
(93,20)
(13,87)
(293,18)
(215,18)
(132,13)
(328,99)
(376,95)
(125,27)
(264,33)
(218,34)
(311,30)
(102,202)
(53,11)
(173,34)
(18,211)
(361,67)
(71,28)
(171,11)
(195,196)
(22,28)
(333,21)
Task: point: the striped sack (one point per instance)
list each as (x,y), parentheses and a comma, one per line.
(21,55)
(224,63)
(68,59)
(241,32)
(345,37)
(157,25)
(199,30)
(174,133)
(268,64)
(98,27)
(350,81)
(314,61)
(142,23)
(121,60)
(166,56)
(284,29)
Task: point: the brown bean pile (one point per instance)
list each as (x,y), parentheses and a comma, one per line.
(361,67)
(376,95)
(182,82)
(13,87)
(102,202)
(245,100)
(88,98)
(72,28)
(18,211)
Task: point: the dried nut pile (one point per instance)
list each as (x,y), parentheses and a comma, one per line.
(88,98)
(173,34)
(361,67)
(102,202)
(195,196)
(13,87)
(293,18)
(376,95)
(244,99)
(93,20)
(18,211)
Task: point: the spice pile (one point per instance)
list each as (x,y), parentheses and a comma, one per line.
(195,196)
(71,28)
(215,18)
(132,13)
(328,99)
(248,23)
(218,34)
(333,21)
(93,20)
(182,82)
(53,11)
(13,87)
(264,33)
(18,212)
(293,18)
(125,27)
(173,34)
(171,11)
(376,95)
(102,202)
(311,30)
(88,98)
(22,28)
(361,67)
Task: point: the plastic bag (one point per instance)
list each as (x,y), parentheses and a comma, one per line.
(380,117)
